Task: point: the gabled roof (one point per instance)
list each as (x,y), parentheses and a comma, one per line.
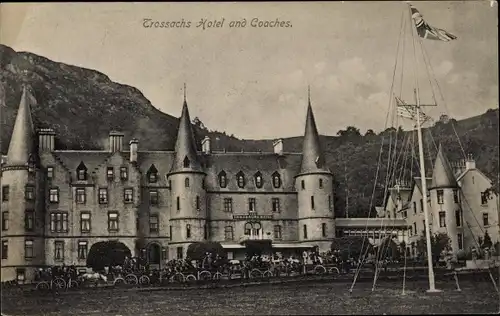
(22,141)
(442,174)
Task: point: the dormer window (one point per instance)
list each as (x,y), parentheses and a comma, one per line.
(81,172)
(152,174)
(110,174)
(276,180)
(222,179)
(240,178)
(258,180)
(186,162)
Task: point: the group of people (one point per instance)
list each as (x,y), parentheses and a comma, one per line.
(63,271)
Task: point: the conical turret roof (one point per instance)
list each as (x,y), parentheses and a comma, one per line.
(186,158)
(312,155)
(442,174)
(22,141)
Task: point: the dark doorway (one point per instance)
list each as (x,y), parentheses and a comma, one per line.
(154,254)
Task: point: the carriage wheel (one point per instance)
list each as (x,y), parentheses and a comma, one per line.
(131,279)
(334,270)
(256,273)
(319,269)
(268,274)
(72,284)
(144,280)
(178,277)
(119,282)
(217,276)
(190,277)
(43,286)
(204,275)
(59,283)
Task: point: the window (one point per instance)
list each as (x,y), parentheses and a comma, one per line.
(256,229)
(153,197)
(251,205)
(81,172)
(178,203)
(276,180)
(440,196)
(415,228)
(411,231)
(240,178)
(113,222)
(305,231)
(123,173)
(152,174)
(110,174)
(103,196)
(414,207)
(485,219)
(29,193)
(58,250)
(50,173)
(330,204)
(82,250)
(458,218)
(5,220)
(312,202)
(277,232)
(28,249)
(228,205)
(5,249)
(423,224)
(248,228)
(29,220)
(321,183)
(421,205)
(198,204)
(59,222)
(153,223)
(179,252)
(188,231)
(303,184)
(205,231)
(54,195)
(442,219)
(222,179)
(456,197)
(186,162)
(186,182)
(484,198)
(460,241)
(128,195)
(228,233)
(276,205)
(85,222)
(80,196)
(170,231)
(258,180)
(405,214)
(323,229)
(5,193)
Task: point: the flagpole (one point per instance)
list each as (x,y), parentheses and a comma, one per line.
(423,178)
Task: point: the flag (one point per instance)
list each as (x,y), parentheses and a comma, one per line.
(426,31)
(409,111)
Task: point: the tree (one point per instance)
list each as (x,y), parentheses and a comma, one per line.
(197,122)
(107,253)
(349,132)
(487,243)
(198,250)
(370,132)
(352,246)
(439,243)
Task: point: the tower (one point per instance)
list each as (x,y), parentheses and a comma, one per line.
(186,180)
(314,185)
(22,200)
(445,202)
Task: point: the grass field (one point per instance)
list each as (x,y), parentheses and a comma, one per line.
(298,298)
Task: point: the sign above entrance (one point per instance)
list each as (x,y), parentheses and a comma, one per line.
(252,216)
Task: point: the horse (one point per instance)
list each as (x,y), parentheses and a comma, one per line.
(93,278)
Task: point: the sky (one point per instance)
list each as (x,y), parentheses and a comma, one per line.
(252,82)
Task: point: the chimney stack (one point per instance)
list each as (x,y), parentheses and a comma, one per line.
(470,163)
(278,146)
(205,145)
(115,141)
(46,138)
(134,143)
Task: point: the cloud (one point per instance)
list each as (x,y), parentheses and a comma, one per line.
(444,68)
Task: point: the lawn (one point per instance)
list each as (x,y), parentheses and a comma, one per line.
(285,299)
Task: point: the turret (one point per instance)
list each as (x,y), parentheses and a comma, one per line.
(314,185)
(22,199)
(445,202)
(186,178)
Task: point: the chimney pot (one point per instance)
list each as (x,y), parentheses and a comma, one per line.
(278,146)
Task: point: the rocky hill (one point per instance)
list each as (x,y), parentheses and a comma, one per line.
(83,105)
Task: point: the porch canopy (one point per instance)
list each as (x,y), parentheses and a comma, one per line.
(372,223)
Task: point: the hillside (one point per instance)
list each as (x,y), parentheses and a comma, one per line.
(83,105)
